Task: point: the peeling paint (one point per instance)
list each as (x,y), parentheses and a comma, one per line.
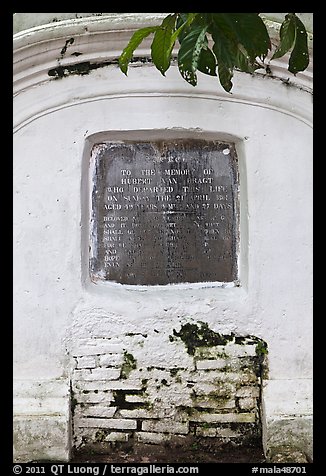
(64,49)
(85,67)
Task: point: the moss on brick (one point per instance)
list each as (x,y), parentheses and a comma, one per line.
(144,384)
(261,348)
(129,364)
(199,335)
(173,372)
(100,435)
(73,401)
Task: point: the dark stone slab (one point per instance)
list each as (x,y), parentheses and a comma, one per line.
(164,212)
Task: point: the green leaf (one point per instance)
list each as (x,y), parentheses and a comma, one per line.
(287,36)
(181,23)
(163,43)
(184,20)
(207,62)
(225,49)
(239,40)
(228,48)
(222,25)
(243,61)
(251,32)
(299,58)
(134,42)
(293,34)
(225,75)
(189,52)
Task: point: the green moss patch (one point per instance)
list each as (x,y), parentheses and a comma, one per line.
(199,335)
(129,364)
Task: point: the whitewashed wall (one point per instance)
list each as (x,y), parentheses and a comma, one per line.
(270,121)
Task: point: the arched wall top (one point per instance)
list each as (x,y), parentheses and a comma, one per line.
(89,46)
(109,84)
(25,21)
(77,38)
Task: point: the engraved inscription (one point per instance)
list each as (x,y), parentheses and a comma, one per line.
(164,212)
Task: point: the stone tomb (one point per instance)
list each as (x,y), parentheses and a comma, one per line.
(164,212)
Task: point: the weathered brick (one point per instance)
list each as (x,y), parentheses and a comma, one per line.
(228,350)
(248,391)
(152,438)
(211,364)
(97,374)
(245,370)
(82,374)
(223,417)
(89,385)
(212,352)
(92,397)
(99,411)
(223,380)
(210,432)
(117,436)
(221,389)
(110,360)
(88,433)
(86,362)
(154,376)
(135,398)
(106,385)
(243,377)
(167,426)
(218,403)
(125,385)
(138,413)
(114,423)
(216,377)
(241,350)
(227,433)
(106,374)
(247,403)
(204,388)
(85,435)
(168,394)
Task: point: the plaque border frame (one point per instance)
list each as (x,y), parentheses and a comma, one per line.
(103,286)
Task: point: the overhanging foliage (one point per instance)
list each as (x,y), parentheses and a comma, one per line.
(218,43)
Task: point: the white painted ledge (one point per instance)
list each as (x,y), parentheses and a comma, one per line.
(286,398)
(41,420)
(109,83)
(288,415)
(25,21)
(100,38)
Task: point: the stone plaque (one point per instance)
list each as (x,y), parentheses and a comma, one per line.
(164,212)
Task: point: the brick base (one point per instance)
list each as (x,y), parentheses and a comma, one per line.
(118,397)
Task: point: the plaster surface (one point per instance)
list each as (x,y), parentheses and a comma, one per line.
(54,301)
